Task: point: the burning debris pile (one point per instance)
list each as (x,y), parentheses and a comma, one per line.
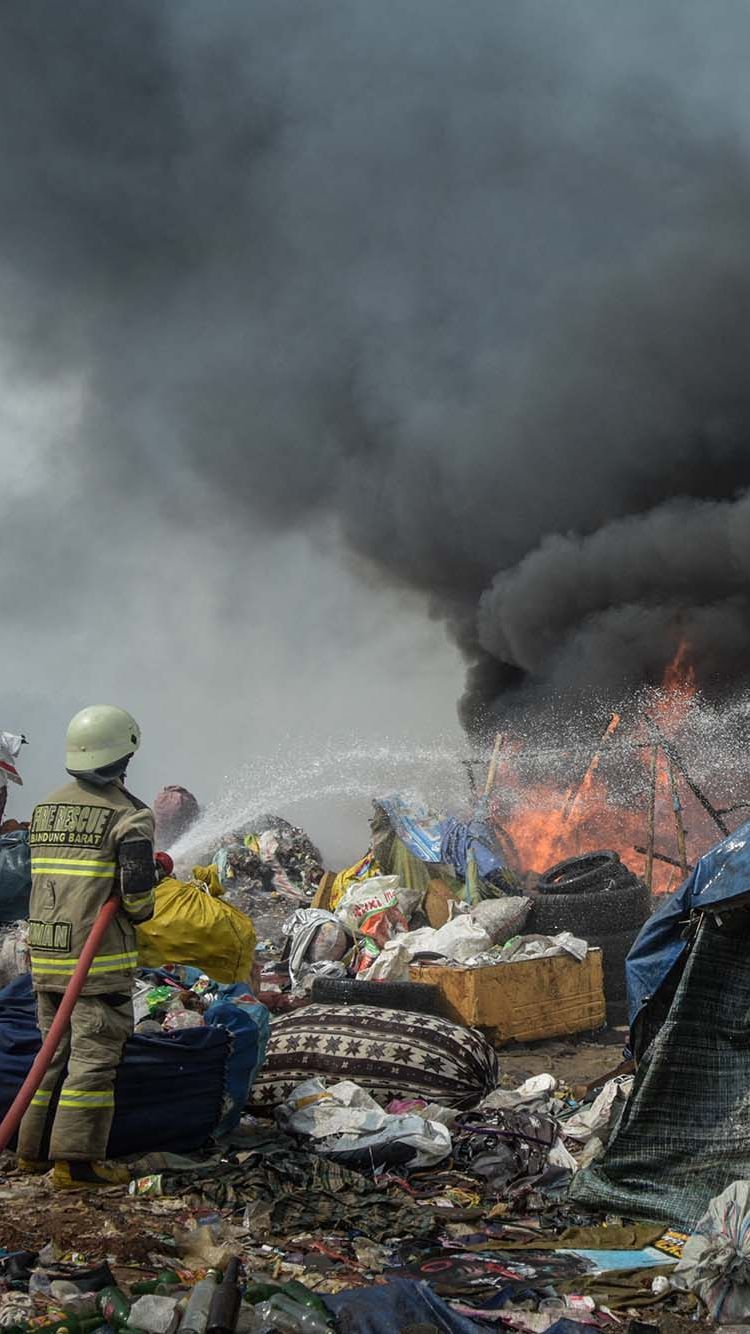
(639,789)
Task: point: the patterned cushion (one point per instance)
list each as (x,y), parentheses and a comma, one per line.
(391,1053)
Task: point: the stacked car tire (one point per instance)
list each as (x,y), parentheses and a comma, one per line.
(598,898)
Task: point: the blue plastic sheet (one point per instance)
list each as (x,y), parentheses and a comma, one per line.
(174,1091)
(418,830)
(721,876)
(391,1307)
(477,836)
(565,1326)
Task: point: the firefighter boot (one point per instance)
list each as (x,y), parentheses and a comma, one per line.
(88,1176)
(32,1167)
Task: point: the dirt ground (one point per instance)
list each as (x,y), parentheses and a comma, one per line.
(573,1061)
(108,1223)
(112,1223)
(669,1322)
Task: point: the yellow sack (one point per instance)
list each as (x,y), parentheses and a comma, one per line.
(362,870)
(209,876)
(191,926)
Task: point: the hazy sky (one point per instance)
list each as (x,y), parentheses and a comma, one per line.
(224,645)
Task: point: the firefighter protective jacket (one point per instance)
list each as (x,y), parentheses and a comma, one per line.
(86,843)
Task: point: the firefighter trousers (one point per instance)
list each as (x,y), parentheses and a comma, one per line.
(71,1113)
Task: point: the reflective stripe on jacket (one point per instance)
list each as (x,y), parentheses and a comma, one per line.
(75,840)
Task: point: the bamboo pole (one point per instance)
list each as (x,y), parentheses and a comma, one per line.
(492,770)
(658,856)
(574,793)
(649,874)
(673,754)
(679,822)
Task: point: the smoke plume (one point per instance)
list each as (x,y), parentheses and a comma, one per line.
(465,285)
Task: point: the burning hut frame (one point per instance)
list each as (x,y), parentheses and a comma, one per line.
(535,833)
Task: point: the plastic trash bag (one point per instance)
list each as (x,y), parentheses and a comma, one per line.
(392,965)
(715,1262)
(316,937)
(365,869)
(460,939)
(544,947)
(371,910)
(594,1119)
(189,926)
(15,875)
(347,1124)
(10,746)
(536,1092)
(14,952)
(175,811)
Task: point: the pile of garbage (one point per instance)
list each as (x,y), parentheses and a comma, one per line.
(380,1168)
(263,868)
(510,1140)
(269,854)
(349,1216)
(441,868)
(45,1290)
(170,1001)
(380,928)
(367,1161)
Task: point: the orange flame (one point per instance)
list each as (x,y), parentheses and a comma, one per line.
(679,674)
(541,824)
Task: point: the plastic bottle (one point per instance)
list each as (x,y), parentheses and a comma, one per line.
(72,1300)
(39,1283)
(225,1304)
(247,1321)
(195,1318)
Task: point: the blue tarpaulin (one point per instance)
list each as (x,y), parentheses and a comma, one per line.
(477,835)
(174,1091)
(721,876)
(446,840)
(418,830)
(246,1019)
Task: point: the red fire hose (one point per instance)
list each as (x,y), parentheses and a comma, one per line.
(13,1116)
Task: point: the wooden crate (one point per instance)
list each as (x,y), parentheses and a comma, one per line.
(524,1001)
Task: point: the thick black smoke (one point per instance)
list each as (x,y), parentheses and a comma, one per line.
(472,282)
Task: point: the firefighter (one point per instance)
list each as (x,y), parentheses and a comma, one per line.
(88,840)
